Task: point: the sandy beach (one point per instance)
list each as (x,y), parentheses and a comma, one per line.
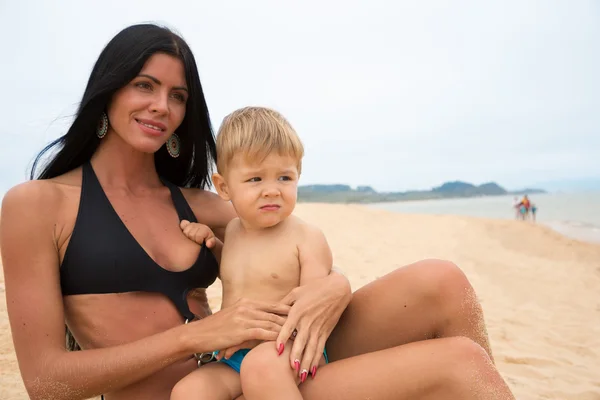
(539,290)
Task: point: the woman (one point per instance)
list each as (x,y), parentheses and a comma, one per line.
(95,242)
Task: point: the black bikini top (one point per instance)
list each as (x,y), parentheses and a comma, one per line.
(104,257)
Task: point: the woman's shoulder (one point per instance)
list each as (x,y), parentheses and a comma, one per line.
(30,193)
(200,198)
(41,196)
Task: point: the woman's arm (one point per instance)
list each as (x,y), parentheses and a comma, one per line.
(35,308)
(316,262)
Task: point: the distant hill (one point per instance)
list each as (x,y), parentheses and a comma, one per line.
(464,189)
(337,193)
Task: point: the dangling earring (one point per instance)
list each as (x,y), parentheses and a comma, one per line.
(102,126)
(174,145)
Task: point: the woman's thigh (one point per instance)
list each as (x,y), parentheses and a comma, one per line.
(447,368)
(425,300)
(440,369)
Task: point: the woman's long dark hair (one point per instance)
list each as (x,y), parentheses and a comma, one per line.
(119,63)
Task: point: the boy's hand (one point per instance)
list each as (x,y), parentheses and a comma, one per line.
(198,233)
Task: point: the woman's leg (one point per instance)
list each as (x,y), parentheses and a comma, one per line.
(440,369)
(425,300)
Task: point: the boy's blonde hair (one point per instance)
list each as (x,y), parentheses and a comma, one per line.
(256,132)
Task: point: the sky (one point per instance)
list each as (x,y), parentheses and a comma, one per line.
(397,95)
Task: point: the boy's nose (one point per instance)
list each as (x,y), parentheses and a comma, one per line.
(271,192)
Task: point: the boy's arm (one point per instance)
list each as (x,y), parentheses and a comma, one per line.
(200,234)
(217,250)
(210,209)
(315,255)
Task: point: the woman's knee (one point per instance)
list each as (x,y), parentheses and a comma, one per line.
(432,280)
(447,286)
(467,352)
(442,278)
(469,369)
(452,298)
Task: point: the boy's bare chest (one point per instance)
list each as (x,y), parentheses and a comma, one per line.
(261,261)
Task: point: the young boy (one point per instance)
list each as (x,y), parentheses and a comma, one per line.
(267,251)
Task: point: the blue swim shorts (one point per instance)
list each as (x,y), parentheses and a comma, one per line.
(235,361)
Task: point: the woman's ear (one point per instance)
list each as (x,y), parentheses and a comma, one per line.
(221,186)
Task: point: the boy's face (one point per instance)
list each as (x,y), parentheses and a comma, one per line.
(263,193)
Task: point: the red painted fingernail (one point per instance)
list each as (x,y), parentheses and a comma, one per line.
(280,350)
(314,372)
(303,376)
(297,365)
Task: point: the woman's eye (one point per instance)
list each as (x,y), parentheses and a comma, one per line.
(179,97)
(144,85)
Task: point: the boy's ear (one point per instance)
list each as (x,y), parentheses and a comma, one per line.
(221,186)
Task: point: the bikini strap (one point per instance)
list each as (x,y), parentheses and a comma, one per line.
(184,211)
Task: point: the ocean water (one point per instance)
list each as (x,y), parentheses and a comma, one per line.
(576,215)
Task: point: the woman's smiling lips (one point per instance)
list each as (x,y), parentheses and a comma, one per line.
(150,127)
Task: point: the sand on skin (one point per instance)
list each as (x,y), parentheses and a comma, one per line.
(539,290)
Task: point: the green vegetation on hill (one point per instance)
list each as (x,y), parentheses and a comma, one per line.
(366,194)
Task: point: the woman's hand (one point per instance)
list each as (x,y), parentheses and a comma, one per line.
(316,309)
(240,324)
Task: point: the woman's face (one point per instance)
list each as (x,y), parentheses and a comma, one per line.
(147,111)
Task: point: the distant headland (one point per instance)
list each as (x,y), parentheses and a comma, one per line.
(337,193)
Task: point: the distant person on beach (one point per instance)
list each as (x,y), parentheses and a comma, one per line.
(517,207)
(522,207)
(260,159)
(523,211)
(93,246)
(533,211)
(525,207)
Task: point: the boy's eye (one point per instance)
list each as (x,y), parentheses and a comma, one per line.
(255,179)
(285,178)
